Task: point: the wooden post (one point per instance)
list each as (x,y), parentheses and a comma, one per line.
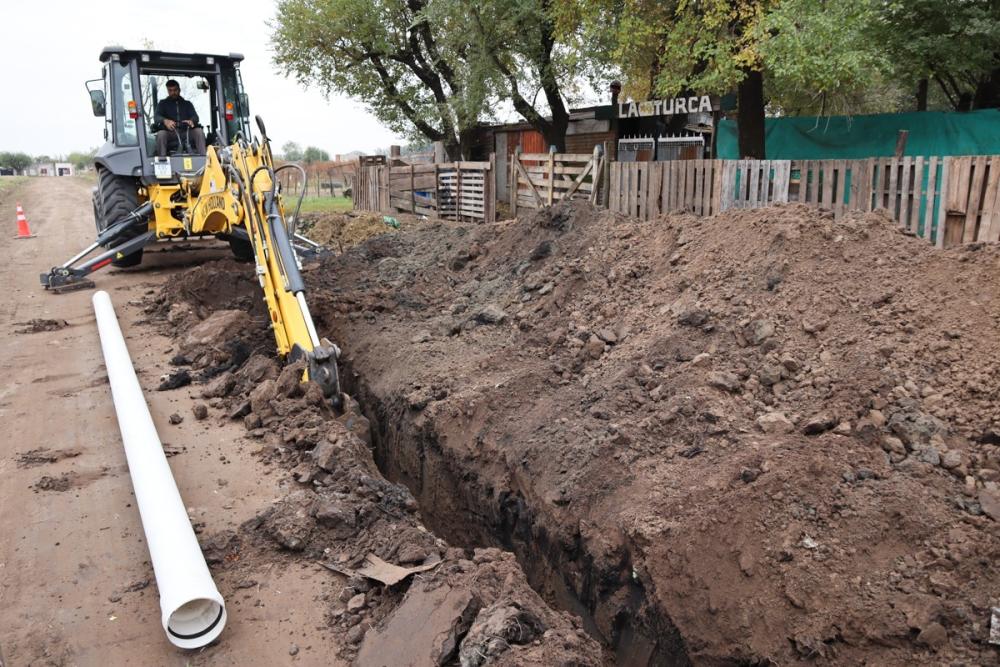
(458,190)
(901,142)
(605,199)
(514,183)
(595,173)
(437,190)
(943,186)
(552,174)
(489,191)
(413,192)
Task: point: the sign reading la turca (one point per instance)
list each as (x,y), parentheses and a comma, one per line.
(671,107)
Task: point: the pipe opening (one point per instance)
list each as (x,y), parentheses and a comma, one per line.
(196,623)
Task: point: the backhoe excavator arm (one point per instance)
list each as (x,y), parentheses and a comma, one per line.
(277,265)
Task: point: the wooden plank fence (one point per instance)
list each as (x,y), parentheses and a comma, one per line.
(369,194)
(647,189)
(541,179)
(945,200)
(453,191)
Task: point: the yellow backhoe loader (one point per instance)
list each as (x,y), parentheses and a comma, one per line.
(230,192)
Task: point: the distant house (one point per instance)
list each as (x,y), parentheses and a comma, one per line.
(51,169)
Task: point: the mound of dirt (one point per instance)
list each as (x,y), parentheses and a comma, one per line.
(341,231)
(763,437)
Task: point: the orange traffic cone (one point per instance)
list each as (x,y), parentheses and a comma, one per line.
(23,231)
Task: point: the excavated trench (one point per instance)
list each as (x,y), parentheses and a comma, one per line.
(462,504)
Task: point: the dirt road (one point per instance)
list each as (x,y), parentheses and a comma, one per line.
(76,586)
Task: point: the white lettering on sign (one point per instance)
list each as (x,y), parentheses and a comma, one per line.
(678,105)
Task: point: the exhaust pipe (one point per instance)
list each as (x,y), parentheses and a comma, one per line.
(192,610)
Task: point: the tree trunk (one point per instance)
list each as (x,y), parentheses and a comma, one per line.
(466,140)
(750,123)
(988,91)
(922,95)
(453,148)
(555,133)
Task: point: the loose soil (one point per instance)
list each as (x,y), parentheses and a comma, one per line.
(342,231)
(760,438)
(40,324)
(472,606)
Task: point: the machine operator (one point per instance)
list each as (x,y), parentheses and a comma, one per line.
(178,122)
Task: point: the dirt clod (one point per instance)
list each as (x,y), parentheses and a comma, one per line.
(37,325)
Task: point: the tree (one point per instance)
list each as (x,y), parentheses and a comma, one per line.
(804,56)
(669,47)
(16,161)
(313,154)
(82,160)
(291,151)
(387,54)
(433,70)
(820,59)
(514,44)
(953,43)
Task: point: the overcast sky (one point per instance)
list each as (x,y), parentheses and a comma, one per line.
(51,48)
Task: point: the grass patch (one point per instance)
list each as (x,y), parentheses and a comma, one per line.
(321,204)
(7,182)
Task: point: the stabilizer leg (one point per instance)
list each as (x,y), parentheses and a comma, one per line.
(67,277)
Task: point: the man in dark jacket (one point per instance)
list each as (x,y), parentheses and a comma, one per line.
(176,116)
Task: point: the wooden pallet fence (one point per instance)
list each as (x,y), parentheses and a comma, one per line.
(909,189)
(647,189)
(371,191)
(541,179)
(454,191)
(971,208)
(753,183)
(945,200)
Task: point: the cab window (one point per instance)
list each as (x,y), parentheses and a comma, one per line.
(124,124)
(194,89)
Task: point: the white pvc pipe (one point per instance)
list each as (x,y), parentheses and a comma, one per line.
(192,610)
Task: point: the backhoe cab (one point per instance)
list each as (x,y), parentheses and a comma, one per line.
(126,95)
(232,192)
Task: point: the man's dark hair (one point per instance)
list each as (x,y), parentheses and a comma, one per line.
(172,83)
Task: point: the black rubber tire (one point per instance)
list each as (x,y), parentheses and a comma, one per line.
(242,250)
(117,197)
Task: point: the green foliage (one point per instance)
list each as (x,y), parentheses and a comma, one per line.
(16,161)
(955,43)
(313,154)
(431,70)
(384,53)
(820,60)
(291,151)
(82,160)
